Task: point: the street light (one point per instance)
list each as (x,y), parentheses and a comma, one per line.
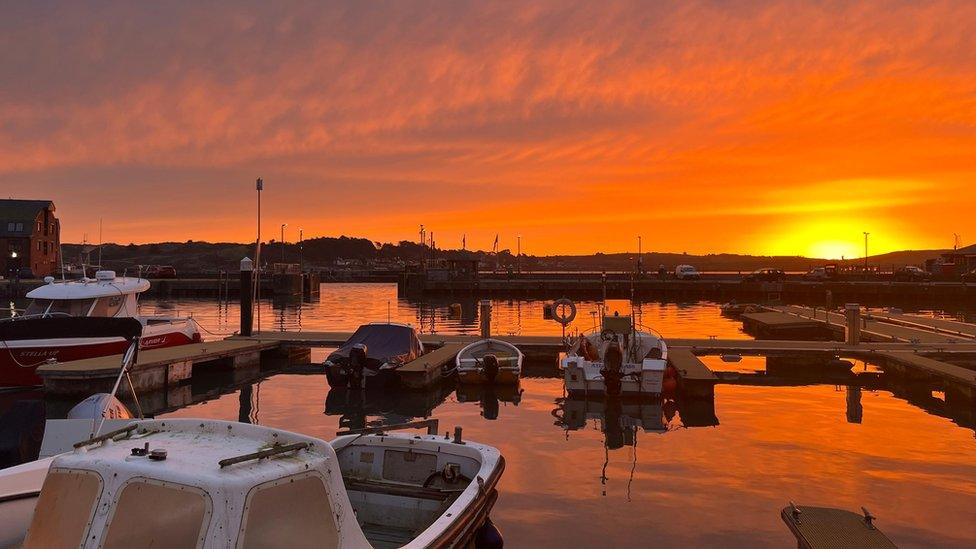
(301,249)
(518,258)
(283,225)
(866,250)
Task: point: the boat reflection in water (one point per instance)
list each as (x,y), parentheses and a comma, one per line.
(384,407)
(490,397)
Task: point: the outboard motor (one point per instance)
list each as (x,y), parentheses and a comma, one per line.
(357,364)
(613,362)
(490,367)
(488,537)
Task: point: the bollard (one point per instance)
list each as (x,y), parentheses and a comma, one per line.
(853,314)
(485,314)
(247,296)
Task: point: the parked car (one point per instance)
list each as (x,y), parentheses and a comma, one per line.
(817,273)
(686,272)
(159,271)
(911,273)
(970,276)
(765,275)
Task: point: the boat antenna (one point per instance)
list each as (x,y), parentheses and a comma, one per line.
(99,242)
(128,359)
(388,315)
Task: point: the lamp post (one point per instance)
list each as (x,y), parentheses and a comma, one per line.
(283,225)
(866,251)
(518,258)
(301,250)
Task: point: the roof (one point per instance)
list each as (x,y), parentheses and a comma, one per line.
(21,211)
(89,289)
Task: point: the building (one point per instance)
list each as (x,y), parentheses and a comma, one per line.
(30,236)
(953,263)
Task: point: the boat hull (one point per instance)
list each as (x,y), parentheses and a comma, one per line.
(477,377)
(19,360)
(583,378)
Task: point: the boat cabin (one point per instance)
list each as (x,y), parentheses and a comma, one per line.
(103,296)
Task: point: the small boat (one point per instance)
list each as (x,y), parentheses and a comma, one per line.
(826,528)
(618,359)
(734,308)
(39,335)
(490,361)
(372,355)
(214,484)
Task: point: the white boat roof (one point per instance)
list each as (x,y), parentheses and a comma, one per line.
(87,288)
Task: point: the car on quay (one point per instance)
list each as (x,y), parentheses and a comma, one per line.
(911,273)
(969,277)
(686,272)
(765,275)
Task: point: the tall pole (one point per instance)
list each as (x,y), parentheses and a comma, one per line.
(518,257)
(283,225)
(866,250)
(256,288)
(423,247)
(301,250)
(639,258)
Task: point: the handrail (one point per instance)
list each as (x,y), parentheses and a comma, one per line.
(35,315)
(277,449)
(430,424)
(111,434)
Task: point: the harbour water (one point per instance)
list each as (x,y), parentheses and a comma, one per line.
(663,474)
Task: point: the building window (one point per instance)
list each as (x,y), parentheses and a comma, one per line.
(38,226)
(46,249)
(10,227)
(38,245)
(20,228)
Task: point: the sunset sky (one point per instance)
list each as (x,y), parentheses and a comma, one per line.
(759,127)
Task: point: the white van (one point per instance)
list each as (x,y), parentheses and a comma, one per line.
(686,272)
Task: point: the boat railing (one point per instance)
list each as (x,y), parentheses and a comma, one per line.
(430,424)
(35,315)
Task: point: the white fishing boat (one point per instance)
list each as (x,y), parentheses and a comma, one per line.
(490,361)
(617,358)
(38,335)
(210,484)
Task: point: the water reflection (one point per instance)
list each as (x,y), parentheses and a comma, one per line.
(490,397)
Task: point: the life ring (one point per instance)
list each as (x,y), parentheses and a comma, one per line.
(557,309)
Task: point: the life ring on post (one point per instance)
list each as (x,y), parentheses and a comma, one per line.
(558,311)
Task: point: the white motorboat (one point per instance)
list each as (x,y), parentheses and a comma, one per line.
(490,361)
(617,359)
(37,337)
(210,484)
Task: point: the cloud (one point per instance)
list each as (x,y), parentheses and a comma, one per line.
(449,111)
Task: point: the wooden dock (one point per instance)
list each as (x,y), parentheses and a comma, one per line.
(694,377)
(781,325)
(871,329)
(155,369)
(426,370)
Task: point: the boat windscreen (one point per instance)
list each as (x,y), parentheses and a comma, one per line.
(71,307)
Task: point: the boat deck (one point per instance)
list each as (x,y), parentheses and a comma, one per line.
(826,528)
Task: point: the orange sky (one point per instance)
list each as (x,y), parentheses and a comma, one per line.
(760,127)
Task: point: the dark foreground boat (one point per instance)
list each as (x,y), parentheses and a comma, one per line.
(372,356)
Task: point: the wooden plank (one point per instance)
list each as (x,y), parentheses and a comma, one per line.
(871,329)
(689,366)
(943,325)
(950,372)
(433,360)
(776,319)
(766,347)
(195,352)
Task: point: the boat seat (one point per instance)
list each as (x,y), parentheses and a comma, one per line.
(398,489)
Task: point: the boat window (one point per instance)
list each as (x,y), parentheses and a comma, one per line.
(290,512)
(64,509)
(73,307)
(151,513)
(108,306)
(37,306)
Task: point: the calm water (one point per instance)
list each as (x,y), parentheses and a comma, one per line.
(705,473)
